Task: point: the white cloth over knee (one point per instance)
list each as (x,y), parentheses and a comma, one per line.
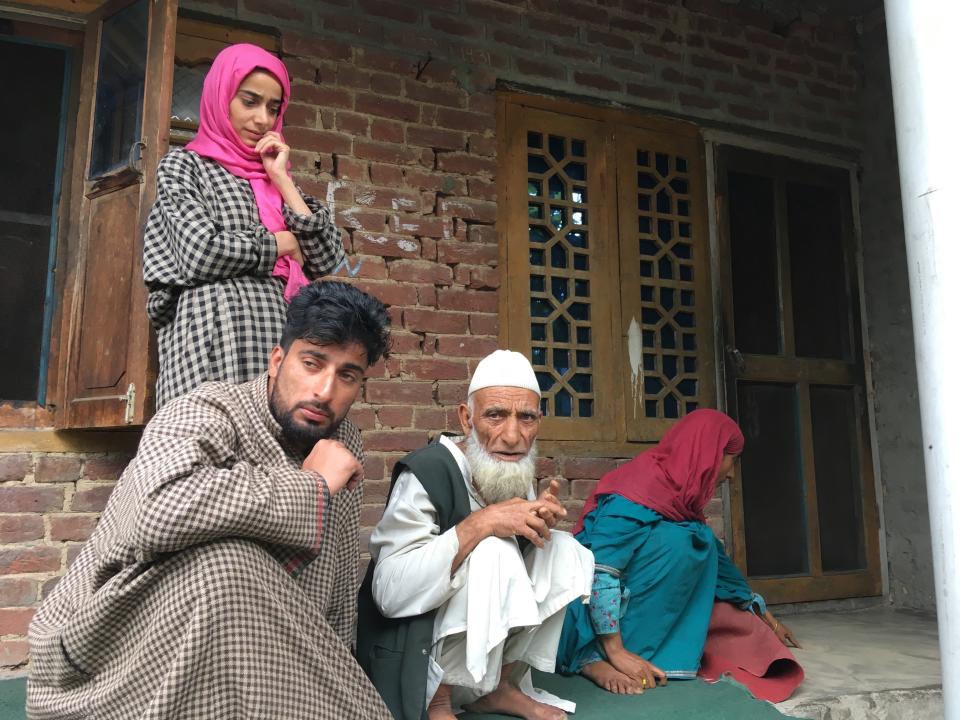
(510,608)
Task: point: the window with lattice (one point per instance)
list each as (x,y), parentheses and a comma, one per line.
(605,236)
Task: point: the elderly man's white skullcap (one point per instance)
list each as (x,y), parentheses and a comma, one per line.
(504,368)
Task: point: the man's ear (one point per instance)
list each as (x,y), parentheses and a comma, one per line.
(463,413)
(276,358)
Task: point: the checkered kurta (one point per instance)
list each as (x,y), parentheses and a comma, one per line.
(207,261)
(221,581)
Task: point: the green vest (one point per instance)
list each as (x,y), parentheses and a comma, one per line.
(394,652)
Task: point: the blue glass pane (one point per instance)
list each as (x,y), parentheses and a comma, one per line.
(544,407)
(648,339)
(581,288)
(668,337)
(577,238)
(579,217)
(666,298)
(681,164)
(561,361)
(643,158)
(537,257)
(680,185)
(558,217)
(557,147)
(560,288)
(686,298)
(538,356)
(539,234)
(563,403)
(649,316)
(684,319)
(650,408)
(663,164)
(580,311)
(583,335)
(545,381)
(534,140)
(685,230)
(649,362)
(646,293)
(586,408)
(690,406)
(576,171)
(689,364)
(579,195)
(682,250)
(686,273)
(665,230)
(534,188)
(582,382)
(652,385)
(646,181)
(663,201)
(688,387)
(689,341)
(538,283)
(578,148)
(558,256)
(645,224)
(683,208)
(646,269)
(671,408)
(557,188)
(581,262)
(535,211)
(665,268)
(561,330)
(538,331)
(669,363)
(536,164)
(643,203)
(583,358)
(540,307)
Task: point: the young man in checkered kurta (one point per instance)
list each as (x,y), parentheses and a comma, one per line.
(221,581)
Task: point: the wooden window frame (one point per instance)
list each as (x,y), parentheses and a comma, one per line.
(614,438)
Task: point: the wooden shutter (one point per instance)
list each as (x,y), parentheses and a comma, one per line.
(107,360)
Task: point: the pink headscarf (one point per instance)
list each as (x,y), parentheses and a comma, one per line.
(676,478)
(216,139)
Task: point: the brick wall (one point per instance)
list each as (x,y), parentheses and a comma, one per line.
(393,122)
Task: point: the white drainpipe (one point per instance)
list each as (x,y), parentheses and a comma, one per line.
(924,36)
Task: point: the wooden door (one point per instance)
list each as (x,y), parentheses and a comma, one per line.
(803,505)
(108,362)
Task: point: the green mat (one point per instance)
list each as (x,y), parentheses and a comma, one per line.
(677,700)
(13,698)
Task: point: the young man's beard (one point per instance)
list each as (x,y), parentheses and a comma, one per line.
(300,435)
(499,480)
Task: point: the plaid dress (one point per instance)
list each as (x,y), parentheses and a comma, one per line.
(207,262)
(221,581)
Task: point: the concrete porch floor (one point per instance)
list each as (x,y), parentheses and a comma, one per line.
(865,664)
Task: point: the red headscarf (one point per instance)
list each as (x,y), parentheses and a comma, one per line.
(678,477)
(216,139)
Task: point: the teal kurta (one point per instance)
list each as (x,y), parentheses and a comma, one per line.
(670,575)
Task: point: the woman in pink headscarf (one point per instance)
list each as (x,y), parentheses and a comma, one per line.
(231,239)
(666,599)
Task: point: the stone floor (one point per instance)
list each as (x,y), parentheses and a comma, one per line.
(874,663)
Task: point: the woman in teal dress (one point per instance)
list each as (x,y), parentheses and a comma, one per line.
(659,567)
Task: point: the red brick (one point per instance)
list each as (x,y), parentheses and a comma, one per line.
(675,77)
(435,321)
(486,234)
(56,469)
(20,528)
(435,369)
(434,94)
(546,467)
(467,300)
(364,418)
(321,141)
(313,46)
(109,467)
(384,152)
(499,12)
(277,9)
(394,440)
(756,76)
(588,468)
(13,653)
(537,68)
(369,220)
(454,26)
(448,184)
(395,416)
(452,393)
(749,112)
(17,592)
(369,31)
(323,96)
(428,248)
(698,101)
(420,225)
(353,123)
(386,84)
(480,145)
(15,621)
(826,91)
(609,40)
(466,345)
(386,131)
(733,88)
(581,489)
(380,392)
(387,198)
(300,116)
(484,324)
(14,467)
(390,293)
(392,108)
(470,253)
(91,499)
(466,164)
(437,138)
(32,559)
(798,66)
(385,245)
(482,211)
(484,278)
(399,12)
(465,120)
(31,499)
(387,175)
(649,92)
(404,343)
(72,526)
(373,469)
(597,80)
(414,271)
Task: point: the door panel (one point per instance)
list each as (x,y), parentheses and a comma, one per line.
(803,508)
(108,360)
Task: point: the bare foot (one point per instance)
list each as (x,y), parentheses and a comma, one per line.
(440,707)
(609,678)
(508,699)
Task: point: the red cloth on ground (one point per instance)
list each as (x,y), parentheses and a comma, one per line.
(678,477)
(740,644)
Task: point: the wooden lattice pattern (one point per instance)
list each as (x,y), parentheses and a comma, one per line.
(668,317)
(558,213)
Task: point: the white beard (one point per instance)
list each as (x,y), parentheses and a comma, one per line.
(499,480)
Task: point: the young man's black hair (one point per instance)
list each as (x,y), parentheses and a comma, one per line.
(336,313)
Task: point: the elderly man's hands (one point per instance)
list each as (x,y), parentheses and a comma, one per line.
(552,511)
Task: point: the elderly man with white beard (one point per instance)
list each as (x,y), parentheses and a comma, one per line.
(469,580)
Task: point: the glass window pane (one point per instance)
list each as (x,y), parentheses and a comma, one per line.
(821,314)
(839,496)
(774,498)
(119,105)
(753,250)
